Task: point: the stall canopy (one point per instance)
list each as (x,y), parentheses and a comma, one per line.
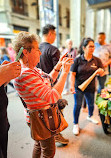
(7,36)
(92,2)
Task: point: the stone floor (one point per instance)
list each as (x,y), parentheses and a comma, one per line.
(91,143)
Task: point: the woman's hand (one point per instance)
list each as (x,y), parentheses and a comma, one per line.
(15,69)
(100,72)
(9,71)
(61,59)
(72,89)
(12,70)
(107,63)
(66,64)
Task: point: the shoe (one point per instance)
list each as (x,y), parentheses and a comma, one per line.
(109,129)
(76,129)
(92,119)
(60,139)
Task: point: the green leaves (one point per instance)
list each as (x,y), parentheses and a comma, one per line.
(109,105)
(104,105)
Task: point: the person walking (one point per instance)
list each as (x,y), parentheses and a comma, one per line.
(84,66)
(11,52)
(48,59)
(72,53)
(103,52)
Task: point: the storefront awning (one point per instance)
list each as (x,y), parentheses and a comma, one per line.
(7,36)
(99,4)
(92,2)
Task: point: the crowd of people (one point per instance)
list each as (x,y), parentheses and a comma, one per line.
(68,67)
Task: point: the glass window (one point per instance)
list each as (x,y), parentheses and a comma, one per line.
(60,38)
(19,28)
(38,32)
(18,6)
(67,18)
(67,36)
(60,15)
(37,9)
(14,2)
(20,3)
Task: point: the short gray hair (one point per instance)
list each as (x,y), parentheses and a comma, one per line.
(24,39)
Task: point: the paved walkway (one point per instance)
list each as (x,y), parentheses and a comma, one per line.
(91,143)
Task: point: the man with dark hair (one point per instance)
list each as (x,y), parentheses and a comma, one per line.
(49,58)
(50,54)
(47,28)
(102,51)
(100,40)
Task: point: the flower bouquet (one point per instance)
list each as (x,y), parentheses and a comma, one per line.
(103,101)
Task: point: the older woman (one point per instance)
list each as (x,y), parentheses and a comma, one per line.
(84,66)
(34,88)
(72,53)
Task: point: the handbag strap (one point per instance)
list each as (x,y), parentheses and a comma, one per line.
(42,116)
(50,113)
(24,104)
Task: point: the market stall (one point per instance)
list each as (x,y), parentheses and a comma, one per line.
(103,101)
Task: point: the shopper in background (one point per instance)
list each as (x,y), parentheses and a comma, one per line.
(4,55)
(71,52)
(61,49)
(80,52)
(11,52)
(48,59)
(103,52)
(84,66)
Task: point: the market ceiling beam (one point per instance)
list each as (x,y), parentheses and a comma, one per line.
(102,5)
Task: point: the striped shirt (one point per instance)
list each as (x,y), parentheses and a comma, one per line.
(35,90)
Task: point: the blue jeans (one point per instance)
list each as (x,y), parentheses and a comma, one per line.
(102,81)
(78,97)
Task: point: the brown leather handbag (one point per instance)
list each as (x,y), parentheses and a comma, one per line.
(45,123)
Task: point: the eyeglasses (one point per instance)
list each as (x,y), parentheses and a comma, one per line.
(28,49)
(91,47)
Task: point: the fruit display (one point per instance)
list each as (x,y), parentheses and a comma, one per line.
(108,83)
(103,101)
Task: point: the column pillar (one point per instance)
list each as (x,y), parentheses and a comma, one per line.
(100,21)
(90,22)
(75,21)
(107,24)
